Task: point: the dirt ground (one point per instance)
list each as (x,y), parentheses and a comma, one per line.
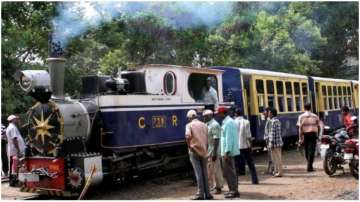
(295,184)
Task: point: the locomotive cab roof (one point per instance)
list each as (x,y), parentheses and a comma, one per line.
(203,70)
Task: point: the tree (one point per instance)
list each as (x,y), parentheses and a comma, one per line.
(338,22)
(25,27)
(114,61)
(314,38)
(282,41)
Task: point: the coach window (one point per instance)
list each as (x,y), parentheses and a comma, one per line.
(341,100)
(346,103)
(304,92)
(330,97)
(325,100)
(349,97)
(280,95)
(170,83)
(336,102)
(297,96)
(270,93)
(260,94)
(289,98)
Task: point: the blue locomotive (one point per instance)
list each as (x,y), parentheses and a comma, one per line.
(120,126)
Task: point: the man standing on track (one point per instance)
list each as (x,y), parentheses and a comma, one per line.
(214,165)
(196,134)
(309,125)
(229,149)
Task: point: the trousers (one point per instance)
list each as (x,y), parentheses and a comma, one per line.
(229,172)
(310,147)
(4,158)
(246,155)
(200,169)
(277,160)
(215,173)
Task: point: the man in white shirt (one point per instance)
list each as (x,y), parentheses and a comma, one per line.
(210,95)
(245,143)
(15,147)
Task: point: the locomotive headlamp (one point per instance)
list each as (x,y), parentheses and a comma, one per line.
(30,80)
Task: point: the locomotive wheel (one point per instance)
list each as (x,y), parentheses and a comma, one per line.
(354,168)
(329,163)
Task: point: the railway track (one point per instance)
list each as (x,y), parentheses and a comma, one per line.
(155,177)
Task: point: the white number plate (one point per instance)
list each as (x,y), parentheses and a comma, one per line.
(348,156)
(324,146)
(29,177)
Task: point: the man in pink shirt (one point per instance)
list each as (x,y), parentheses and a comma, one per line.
(196,134)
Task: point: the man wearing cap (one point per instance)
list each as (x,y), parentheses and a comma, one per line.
(214,165)
(229,148)
(16,147)
(196,134)
(210,95)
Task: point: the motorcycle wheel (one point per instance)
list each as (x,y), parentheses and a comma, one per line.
(329,163)
(354,168)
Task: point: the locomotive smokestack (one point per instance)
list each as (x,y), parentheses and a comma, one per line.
(57,71)
(56,67)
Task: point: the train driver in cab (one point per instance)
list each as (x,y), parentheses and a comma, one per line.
(209,93)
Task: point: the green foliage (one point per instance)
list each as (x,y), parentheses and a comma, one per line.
(113,62)
(25,28)
(338,23)
(315,38)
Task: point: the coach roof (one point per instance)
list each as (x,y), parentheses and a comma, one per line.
(271,73)
(330,79)
(266,72)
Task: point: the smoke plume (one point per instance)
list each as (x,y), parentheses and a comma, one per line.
(75,18)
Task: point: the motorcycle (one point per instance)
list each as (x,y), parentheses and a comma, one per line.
(332,150)
(351,155)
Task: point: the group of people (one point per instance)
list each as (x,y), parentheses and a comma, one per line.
(13,149)
(212,150)
(213,146)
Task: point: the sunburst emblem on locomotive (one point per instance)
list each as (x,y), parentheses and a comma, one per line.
(46,131)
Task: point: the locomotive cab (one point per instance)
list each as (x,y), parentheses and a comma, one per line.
(153,112)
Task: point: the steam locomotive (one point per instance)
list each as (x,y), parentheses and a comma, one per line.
(120,125)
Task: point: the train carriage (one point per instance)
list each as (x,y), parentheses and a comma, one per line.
(254,90)
(329,95)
